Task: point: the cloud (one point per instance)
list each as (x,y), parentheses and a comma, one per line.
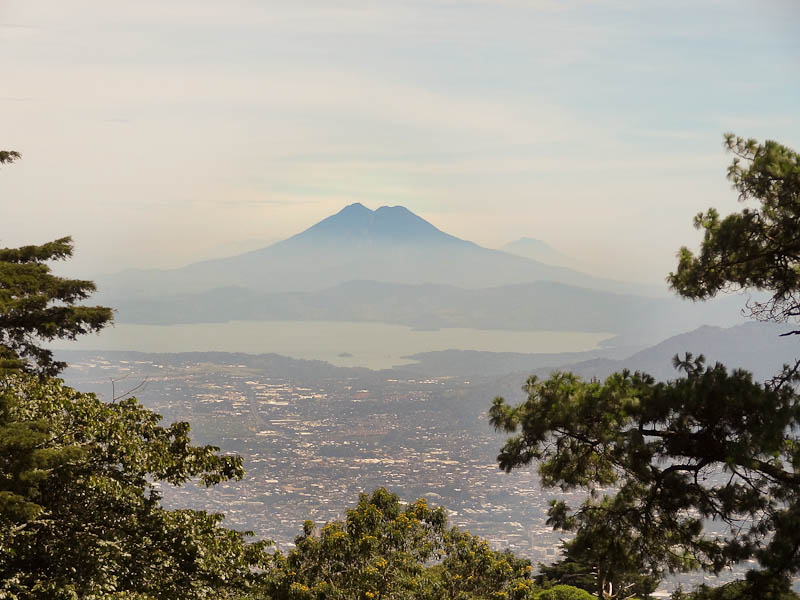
(150,127)
(302,94)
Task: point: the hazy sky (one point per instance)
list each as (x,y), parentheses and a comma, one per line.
(161,132)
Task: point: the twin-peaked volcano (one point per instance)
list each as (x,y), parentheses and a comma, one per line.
(390,244)
(356,224)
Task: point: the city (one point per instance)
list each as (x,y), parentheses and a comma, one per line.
(312,443)
(313,436)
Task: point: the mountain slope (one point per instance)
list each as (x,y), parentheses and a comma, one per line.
(390,244)
(358,225)
(539,251)
(755,347)
(533,306)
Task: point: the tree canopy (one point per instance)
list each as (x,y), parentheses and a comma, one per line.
(80,516)
(379,550)
(757,248)
(80,513)
(9,156)
(37,306)
(701,472)
(387,549)
(711,447)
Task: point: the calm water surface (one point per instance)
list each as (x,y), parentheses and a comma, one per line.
(372,345)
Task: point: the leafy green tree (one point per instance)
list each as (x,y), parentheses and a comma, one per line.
(471,569)
(705,467)
(379,551)
(385,549)
(80,514)
(563,592)
(710,446)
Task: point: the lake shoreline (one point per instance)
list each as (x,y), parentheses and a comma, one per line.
(340,343)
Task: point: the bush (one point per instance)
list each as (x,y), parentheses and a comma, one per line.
(563,592)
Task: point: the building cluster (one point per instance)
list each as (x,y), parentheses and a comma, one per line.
(311,446)
(312,443)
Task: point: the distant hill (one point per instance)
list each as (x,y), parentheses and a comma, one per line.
(537,306)
(390,244)
(539,251)
(756,347)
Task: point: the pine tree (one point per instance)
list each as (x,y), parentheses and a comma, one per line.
(80,513)
(710,447)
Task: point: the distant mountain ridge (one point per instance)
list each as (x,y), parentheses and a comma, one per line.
(390,244)
(753,346)
(538,250)
(537,306)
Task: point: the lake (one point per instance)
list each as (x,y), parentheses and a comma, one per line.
(371,345)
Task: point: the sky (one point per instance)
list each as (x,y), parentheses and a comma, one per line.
(160,133)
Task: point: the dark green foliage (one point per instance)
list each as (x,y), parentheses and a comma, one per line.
(568,571)
(80,516)
(36,306)
(599,559)
(379,550)
(753,589)
(386,549)
(711,450)
(711,445)
(563,592)
(757,248)
(8,156)
(26,459)
(471,569)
